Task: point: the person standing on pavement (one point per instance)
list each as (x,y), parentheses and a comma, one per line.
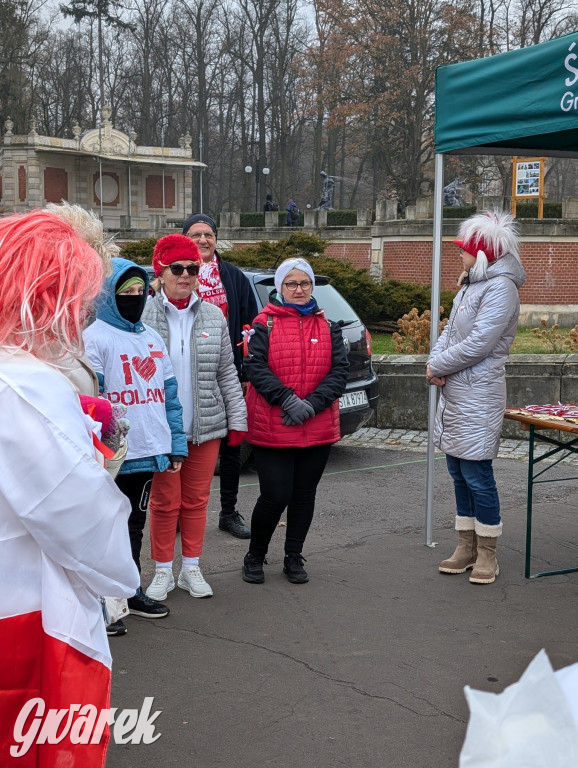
(133,368)
(468,364)
(225,286)
(297,368)
(196,334)
(63,522)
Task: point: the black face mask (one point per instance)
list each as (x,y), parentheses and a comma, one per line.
(131,307)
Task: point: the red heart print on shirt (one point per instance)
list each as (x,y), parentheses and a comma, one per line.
(145,367)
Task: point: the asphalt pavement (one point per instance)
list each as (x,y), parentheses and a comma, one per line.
(365,665)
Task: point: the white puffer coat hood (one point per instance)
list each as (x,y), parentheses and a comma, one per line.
(471,353)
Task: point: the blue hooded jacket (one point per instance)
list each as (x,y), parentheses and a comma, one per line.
(108,312)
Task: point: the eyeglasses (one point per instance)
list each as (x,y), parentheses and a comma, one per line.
(292,285)
(178,269)
(197,235)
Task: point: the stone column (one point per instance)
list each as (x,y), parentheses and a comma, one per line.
(391,209)
(570,207)
(310,218)
(34,195)
(424,208)
(364,217)
(271,219)
(321,219)
(410,211)
(381,210)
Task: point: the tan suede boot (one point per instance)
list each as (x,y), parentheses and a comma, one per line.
(465,555)
(486,568)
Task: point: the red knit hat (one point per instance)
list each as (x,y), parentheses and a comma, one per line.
(493,232)
(171,248)
(472,247)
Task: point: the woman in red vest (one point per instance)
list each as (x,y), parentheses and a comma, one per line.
(297,368)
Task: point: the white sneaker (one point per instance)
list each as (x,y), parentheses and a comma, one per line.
(192,580)
(161,585)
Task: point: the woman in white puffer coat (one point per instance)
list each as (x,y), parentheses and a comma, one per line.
(468,364)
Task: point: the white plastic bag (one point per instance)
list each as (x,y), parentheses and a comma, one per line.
(114,608)
(529,725)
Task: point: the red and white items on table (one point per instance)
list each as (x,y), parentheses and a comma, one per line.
(551,412)
(63,541)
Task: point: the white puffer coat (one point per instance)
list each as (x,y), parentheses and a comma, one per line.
(471,353)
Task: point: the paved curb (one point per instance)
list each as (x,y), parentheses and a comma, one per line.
(415,440)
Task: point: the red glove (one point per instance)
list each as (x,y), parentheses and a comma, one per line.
(98,408)
(235,438)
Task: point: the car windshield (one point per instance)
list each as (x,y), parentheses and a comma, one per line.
(335,306)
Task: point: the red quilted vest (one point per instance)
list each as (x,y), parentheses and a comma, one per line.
(300,355)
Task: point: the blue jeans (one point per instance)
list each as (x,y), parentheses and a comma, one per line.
(475,489)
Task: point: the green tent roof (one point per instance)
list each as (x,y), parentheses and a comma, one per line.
(520,102)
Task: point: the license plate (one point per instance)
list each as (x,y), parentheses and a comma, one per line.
(353,399)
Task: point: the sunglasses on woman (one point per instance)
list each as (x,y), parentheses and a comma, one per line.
(178,269)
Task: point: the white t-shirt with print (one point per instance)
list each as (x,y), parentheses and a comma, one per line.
(135,367)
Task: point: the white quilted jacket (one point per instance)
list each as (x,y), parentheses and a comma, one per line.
(471,353)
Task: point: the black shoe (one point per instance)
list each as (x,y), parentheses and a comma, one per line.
(116,628)
(143,605)
(233,524)
(293,567)
(253,568)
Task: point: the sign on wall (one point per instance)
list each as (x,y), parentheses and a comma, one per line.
(528,181)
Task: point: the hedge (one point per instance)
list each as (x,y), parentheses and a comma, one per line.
(373,301)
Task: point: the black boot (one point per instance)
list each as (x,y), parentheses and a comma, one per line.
(253,568)
(293,567)
(234,524)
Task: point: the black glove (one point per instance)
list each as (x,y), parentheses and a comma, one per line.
(296,411)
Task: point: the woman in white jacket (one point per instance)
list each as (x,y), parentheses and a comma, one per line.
(63,521)
(468,363)
(196,335)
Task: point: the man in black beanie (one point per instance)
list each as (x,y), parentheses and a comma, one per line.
(227,287)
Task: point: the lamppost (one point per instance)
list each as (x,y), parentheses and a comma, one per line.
(266,171)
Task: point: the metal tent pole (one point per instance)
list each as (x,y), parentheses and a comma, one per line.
(434,333)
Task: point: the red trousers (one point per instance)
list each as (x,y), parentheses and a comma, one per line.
(182,497)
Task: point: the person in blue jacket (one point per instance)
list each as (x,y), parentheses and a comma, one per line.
(133,368)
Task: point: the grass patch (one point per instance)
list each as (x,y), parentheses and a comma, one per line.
(525,343)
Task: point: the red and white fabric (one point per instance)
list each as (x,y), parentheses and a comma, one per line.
(63,541)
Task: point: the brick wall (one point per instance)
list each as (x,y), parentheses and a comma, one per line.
(55,185)
(549,265)
(549,268)
(154,192)
(21,183)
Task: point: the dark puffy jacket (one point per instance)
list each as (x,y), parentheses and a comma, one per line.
(297,354)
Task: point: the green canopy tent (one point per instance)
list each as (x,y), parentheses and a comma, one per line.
(522,102)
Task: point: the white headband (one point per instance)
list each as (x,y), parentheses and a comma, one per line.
(286,267)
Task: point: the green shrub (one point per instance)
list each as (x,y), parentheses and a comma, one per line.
(252,219)
(372,301)
(342,218)
(529,210)
(139,251)
(458,211)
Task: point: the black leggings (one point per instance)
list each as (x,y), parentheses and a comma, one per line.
(288,477)
(136,486)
